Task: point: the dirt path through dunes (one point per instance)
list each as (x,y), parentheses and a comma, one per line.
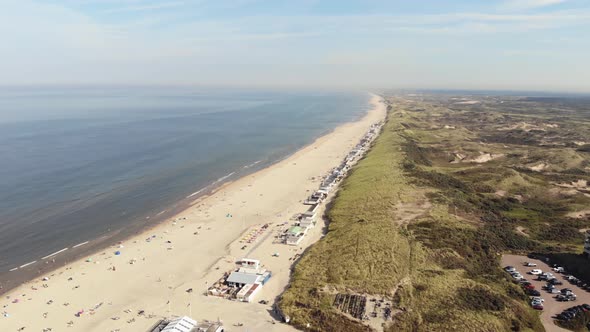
(522,231)
(579,214)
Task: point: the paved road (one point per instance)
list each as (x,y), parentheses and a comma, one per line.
(552,306)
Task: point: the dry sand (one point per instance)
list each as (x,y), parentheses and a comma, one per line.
(522,231)
(483,158)
(539,167)
(191,252)
(579,214)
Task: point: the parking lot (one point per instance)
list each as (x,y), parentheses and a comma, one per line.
(552,307)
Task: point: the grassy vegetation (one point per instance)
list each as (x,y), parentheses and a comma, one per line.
(502,194)
(363,250)
(439,262)
(441,270)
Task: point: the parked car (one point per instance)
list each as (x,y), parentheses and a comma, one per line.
(548,286)
(537,299)
(555,281)
(566,290)
(536,272)
(554,291)
(530,264)
(572,312)
(568,297)
(509,268)
(517,276)
(545,276)
(533,292)
(529,286)
(559,269)
(538,306)
(566,315)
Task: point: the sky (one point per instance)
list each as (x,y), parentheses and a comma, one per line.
(442,44)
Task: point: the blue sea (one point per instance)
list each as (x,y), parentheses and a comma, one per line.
(80,163)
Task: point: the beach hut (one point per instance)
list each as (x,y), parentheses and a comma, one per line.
(311,213)
(307,223)
(207,326)
(316,198)
(248,292)
(295,235)
(250,263)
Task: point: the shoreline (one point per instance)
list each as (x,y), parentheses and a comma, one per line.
(26,272)
(205,213)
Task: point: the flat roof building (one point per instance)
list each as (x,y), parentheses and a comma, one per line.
(186,324)
(181,324)
(247,293)
(241,279)
(250,263)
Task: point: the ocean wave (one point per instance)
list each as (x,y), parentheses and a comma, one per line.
(195,193)
(224,177)
(253,164)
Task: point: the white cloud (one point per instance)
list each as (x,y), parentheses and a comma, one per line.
(54,44)
(146,7)
(530,4)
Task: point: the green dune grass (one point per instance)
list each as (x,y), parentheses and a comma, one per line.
(441,271)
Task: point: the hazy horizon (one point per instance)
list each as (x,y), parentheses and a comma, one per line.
(524,45)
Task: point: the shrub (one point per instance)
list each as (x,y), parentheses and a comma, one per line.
(480,298)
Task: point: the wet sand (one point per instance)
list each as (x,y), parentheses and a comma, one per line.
(190,250)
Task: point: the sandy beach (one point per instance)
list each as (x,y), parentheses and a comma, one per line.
(155,269)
